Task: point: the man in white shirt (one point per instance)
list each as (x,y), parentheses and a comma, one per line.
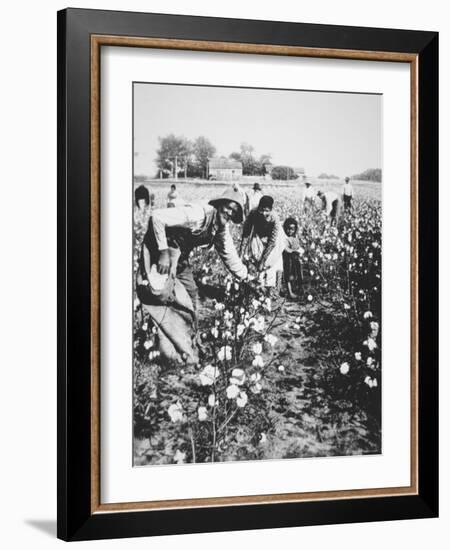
(308,196)
(348,194)
(254,196)
(188,227)
(331,204)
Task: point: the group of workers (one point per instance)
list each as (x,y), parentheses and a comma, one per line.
(173,232)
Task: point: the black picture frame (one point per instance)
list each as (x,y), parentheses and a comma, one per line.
(76,519)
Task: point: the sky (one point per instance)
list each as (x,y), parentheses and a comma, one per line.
(335,133)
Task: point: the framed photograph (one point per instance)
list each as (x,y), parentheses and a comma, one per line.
(247,255)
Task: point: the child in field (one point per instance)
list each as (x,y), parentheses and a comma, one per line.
(144,203)
(291,257)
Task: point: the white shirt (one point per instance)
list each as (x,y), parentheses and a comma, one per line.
(348,189)
(193,217)
(308,194)
(254,197)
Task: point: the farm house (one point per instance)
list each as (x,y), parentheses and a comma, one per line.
(299,171)
(221,168)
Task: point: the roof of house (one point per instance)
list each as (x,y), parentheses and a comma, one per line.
(222,162)
(298,170)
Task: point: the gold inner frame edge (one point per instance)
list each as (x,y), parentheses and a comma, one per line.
(97,41)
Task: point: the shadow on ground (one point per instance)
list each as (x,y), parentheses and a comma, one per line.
(46,526)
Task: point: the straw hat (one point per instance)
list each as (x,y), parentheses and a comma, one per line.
(230,196)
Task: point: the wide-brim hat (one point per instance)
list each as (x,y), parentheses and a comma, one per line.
(230,195)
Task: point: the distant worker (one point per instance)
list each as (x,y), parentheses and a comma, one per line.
(331,204)
(244,197)
(172,196)
(254,196)
(141,197)
(144,201)
(348,194)
(308,196)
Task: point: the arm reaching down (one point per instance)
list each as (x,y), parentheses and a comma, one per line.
(224,245)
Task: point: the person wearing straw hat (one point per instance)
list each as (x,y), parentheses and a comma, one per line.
(331,204)
(347,193)
(188,227)
(308,197)
(165,282)
(255,196)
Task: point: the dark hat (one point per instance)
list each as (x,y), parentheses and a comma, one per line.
(230,195)
(307,183)
(140,193)
(256,186)
(347,179)
(266,202)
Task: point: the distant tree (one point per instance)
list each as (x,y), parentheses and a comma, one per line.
(325,176)
(202,150)
(251,166)
(235,156)
(372,174)
(283,173)
(263,161)
(174,154)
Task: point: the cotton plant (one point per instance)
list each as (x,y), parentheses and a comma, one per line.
(239,348)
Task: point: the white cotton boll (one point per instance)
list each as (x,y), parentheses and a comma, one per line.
(202,414)
(175,412)
(257,361)
(179,457)
(257,348)
(225,353)
(271,339)
(209,375)
(241,401)
(212,400)
(237,377)
(344,368)
(232,391)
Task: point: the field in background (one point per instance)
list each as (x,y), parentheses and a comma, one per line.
(193,190)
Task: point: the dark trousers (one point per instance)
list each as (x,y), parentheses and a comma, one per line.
(347,202)
(186,278)
(335,211)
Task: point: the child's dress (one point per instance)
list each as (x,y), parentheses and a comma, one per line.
(291,262)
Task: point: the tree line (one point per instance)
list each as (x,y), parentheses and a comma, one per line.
(181,156)
(372,174)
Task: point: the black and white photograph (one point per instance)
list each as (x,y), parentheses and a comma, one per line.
(257,268)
